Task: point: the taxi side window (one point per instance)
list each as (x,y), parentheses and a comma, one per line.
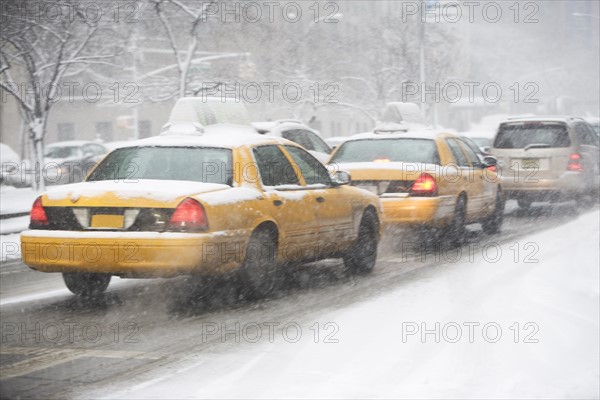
(274,167)
(459,156)
(313,171)
(472,157)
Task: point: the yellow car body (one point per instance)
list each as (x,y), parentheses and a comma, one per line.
(471,181)
(311,221)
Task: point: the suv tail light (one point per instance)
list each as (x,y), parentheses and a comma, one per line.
(189,216)
(425,185)
(575,163)
(38,214)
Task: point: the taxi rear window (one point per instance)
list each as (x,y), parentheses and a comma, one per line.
(392,150)
(522,134)
(197,164)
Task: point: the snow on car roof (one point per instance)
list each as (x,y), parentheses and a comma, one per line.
(276,127)
(421,134)
(71,143)
(542,119)
(218,135)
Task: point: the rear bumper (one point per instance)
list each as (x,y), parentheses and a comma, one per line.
(567,185)
(143,254)
(414,211)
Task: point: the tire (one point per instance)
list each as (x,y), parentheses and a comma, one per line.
(524,203)
(586,200)
(260,275)
(455,232)
(86,284)
(361,259)
(493,224)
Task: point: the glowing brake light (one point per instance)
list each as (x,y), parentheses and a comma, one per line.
(189,216)
(38,214)
(425,185)
(575,163)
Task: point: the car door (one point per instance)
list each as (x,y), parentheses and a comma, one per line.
(488,186)
(335,213)
(290,204)
(471,179)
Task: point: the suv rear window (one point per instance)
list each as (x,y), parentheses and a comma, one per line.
(394,150)
(518,135)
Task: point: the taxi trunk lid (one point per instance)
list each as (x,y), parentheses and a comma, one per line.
(387,177)
(142,205)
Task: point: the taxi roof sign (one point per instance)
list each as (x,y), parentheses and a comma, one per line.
(208,111)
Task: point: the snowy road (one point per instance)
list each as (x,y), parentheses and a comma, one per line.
(141,332)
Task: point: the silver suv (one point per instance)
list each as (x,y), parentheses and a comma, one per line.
(547,159)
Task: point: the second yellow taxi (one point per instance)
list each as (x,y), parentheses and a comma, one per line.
(425,178)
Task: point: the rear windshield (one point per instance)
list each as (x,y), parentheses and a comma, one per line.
(393,150)
(197,164)
(522,134)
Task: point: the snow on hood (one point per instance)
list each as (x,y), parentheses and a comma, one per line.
(159,190)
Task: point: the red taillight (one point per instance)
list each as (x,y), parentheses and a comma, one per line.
(424,186)
(575,163)
(189,215)
(492,168)
(38,215)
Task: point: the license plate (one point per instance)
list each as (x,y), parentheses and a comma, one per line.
(107,221)
(530,163)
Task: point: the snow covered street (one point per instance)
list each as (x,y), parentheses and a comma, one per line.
(513,316)
(526,329)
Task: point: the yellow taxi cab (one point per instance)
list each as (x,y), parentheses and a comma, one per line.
(425,178)
(212,200)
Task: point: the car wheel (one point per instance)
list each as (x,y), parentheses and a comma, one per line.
(86,284)
(260,275)
(361,259)
(455,232)
(586,200)
(493,224)
(524,203)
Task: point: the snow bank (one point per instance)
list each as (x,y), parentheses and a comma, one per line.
(381,350)
(16,200)
(11,247)
(14,225)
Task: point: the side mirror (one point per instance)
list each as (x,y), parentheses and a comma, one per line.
(489,161)
(341,178)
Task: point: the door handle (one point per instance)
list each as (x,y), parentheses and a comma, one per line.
(277,202)
(320,199)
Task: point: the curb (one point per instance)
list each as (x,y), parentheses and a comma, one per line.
(14,215)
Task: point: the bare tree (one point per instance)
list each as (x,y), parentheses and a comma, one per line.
(36,53)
